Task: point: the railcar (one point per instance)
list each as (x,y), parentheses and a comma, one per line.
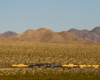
(20,66)
(70,66)
(96,66)
(82,66)
(88,66)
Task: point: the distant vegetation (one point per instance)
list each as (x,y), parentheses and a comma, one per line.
(28,52)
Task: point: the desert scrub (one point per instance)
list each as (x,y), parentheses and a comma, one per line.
(28,52)
(50,74)
(56,71)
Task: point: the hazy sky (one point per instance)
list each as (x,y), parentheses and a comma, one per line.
(57,15)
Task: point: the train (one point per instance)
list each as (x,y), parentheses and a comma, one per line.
(48,65)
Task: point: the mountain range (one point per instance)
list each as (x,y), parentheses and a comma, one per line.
(85,34)
(46,35)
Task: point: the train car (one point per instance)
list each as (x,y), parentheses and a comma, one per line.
(82,66)
(20,66)
(95,66)
(70,66)
(89,66)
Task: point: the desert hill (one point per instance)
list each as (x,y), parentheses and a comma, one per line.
(92,35)
(47,35)
(8,34)
(96,30)
(78,33)
(29,35)
(40,35)
(74,39)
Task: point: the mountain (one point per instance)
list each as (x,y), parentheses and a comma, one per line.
(74,39)
(96,30)
(78,33)
(48,36)
(85,34)
(29,35)
(8,34)
(40,35)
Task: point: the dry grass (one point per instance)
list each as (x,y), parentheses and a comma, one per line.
(28,52)
(48,71)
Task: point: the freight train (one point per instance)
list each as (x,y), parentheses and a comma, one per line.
(47,65)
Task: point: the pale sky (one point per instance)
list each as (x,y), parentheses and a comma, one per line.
(57,15)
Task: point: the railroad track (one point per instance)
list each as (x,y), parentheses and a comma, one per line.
(50,68)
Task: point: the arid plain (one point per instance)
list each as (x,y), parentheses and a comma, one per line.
(44,49)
